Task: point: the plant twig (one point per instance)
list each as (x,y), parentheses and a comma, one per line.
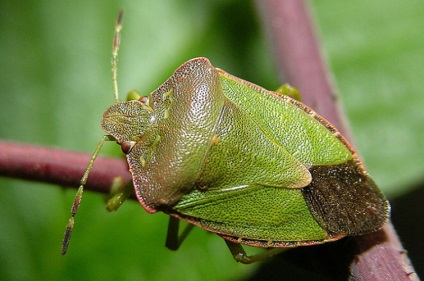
(379,255)
(59,167)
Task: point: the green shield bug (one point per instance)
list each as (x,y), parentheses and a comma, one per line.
(254,166)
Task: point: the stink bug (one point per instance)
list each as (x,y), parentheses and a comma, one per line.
(254,166)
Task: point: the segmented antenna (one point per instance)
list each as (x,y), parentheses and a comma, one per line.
(78,196)
(115,49)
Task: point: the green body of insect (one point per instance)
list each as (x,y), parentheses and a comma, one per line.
(254,166)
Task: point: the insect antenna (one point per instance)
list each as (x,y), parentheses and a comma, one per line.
(78,196)
(115,49)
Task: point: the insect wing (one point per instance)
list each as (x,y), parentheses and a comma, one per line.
(340,200)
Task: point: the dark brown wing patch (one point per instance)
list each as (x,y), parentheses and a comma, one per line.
(343,199)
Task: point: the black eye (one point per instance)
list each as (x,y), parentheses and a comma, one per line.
(126,146)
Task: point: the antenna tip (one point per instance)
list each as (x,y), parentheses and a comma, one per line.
(67,236)
(120,15)
(120,19)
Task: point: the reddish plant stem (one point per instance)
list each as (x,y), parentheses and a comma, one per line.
(377,256)
(59,167)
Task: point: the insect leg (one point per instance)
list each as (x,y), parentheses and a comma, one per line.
(120,195)
(287,90)
(240,255)
(173,239)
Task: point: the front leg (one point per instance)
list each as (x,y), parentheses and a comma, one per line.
(119,193)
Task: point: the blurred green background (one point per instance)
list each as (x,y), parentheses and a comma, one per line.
(55,83)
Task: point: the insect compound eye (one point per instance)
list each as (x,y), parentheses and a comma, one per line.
(144,99)
(126,146)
